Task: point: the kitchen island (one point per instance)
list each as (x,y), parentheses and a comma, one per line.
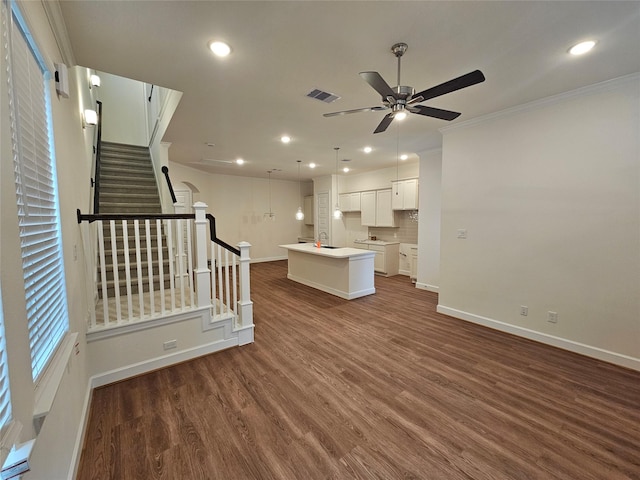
(341,271)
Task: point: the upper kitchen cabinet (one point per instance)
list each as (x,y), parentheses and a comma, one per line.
(376,208)
(349,202)
(405,194)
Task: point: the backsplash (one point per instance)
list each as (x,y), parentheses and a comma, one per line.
(406,230)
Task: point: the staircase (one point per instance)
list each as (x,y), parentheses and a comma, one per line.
(127,181)
(128,185)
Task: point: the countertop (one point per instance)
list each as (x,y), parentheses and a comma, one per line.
(375,242)
(340,252)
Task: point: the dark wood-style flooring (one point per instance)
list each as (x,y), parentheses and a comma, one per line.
(382,387)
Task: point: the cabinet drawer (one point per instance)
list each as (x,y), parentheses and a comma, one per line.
(377,248)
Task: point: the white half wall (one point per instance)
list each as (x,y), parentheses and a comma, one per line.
(549,197)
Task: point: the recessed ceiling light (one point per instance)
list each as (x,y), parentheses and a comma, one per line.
(367,149)
(404,156)
(285,139)
(220,49)
(239,161)
(312,165)
(582,47)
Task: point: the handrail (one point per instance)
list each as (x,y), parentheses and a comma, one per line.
(96,173)
(165,170)
(84,217)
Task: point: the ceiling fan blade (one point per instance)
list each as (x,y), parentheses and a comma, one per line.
(434,112)
(357,110)
(379,85)
(452,85)
(386,121)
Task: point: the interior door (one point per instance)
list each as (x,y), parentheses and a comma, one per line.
(323,217)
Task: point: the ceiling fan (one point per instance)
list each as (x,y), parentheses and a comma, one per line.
(402,99)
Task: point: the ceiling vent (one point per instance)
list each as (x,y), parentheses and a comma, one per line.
(325,97)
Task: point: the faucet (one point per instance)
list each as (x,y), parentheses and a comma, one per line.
(320,236)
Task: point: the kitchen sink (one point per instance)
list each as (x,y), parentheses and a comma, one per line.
(328,246)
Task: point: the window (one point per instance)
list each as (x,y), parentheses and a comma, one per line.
(37,196)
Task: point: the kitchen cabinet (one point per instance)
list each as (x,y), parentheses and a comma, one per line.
(413,257)
(349,202)
(368,208)
(405,194)
(375,208)
(308,210)
(386,261)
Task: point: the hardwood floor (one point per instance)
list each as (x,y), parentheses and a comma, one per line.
(381,387)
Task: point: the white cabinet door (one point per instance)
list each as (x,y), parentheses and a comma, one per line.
(384,212)
(379,263)
(354,202)
(405,194)
(368,208)
(410,198)
(397,196)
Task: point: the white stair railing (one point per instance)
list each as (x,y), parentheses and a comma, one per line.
(147,268)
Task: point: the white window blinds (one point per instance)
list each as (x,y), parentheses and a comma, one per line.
(5,395)
(37,200)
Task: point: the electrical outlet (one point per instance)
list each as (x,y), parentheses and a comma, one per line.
(170,344)
(552,317)
(524,310)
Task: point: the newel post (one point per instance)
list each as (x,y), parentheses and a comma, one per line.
(245,305)
(202,272)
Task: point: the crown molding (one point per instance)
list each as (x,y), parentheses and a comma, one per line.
(59,29)
(607,85)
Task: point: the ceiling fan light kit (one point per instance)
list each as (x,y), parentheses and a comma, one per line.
(403,98)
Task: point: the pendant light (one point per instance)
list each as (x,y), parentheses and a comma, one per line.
(270,215)
(299,213)
(337,214)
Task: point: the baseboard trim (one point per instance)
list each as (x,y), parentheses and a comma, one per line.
(150,365)
(426,286)
(268,259)
(575,347)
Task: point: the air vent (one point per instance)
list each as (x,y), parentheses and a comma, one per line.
(325,97)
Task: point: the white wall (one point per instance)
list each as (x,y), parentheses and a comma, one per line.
(430,192)
(378,179)
(124,116)
(52,457)
(239,204)
(550,198)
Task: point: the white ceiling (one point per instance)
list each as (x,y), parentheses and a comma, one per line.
(284,49)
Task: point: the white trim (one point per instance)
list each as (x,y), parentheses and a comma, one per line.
(152,322)
(59,30)
(146,366)
(605,86)
(47,387)
(563,343)
(331,290)
(81,433)
(426,286)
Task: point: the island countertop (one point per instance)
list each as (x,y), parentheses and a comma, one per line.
(343,271)
(333,252)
